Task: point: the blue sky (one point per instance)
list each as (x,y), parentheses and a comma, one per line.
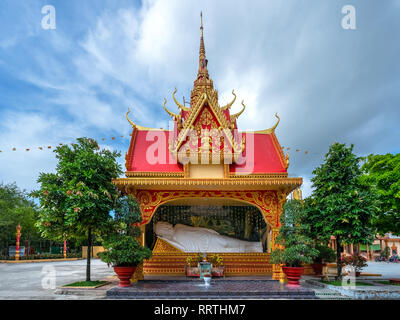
(292,57)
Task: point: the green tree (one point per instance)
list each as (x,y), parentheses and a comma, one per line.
(293,235)
(79,197)
(382,172)
(127,215)
(122,249)
(340,205)
(16,208)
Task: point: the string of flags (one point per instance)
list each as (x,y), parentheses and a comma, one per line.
(297,150)
(51,147)
(41,148)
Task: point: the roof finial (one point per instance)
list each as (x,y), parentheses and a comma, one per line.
(202,47)
(202,53)
(203,79)
(201,22)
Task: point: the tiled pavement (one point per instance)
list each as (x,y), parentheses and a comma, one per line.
(255,287)
(218,289)
(24,281)
(375,291)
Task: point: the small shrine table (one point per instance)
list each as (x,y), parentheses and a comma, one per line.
(205,268)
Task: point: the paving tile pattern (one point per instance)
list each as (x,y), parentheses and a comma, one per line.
(220,289)
(374,291)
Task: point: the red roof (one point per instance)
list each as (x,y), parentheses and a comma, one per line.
(143,144)
(268,157)
(149,152)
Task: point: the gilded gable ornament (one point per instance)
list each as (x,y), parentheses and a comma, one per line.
(206,121)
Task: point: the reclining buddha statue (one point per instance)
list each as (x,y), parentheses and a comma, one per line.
(196,239)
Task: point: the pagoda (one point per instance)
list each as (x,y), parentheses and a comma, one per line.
(205,169)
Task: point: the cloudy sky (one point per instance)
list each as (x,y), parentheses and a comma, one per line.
(293,57)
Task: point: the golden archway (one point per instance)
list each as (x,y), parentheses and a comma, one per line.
(266,201)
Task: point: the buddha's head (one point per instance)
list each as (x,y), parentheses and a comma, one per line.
(164,229)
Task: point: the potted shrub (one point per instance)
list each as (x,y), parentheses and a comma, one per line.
(124,253)
(217,268)
(325,255)
(190,270)
(297,246)
(357,261)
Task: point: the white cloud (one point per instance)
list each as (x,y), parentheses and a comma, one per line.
(30,131)
(294,59)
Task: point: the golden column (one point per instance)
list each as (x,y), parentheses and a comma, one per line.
(277,272)
(18,237)
(138,274)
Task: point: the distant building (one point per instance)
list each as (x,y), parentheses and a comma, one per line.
(370,252)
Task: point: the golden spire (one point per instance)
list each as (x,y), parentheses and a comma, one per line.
(202,52)
(203,83)
(202,47)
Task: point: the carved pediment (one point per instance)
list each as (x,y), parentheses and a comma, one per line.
(205,121)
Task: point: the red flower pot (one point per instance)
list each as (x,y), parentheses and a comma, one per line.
(317,268)
(124,275)
(293,274)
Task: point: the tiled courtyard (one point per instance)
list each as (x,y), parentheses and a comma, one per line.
(232,288)
(28,281)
